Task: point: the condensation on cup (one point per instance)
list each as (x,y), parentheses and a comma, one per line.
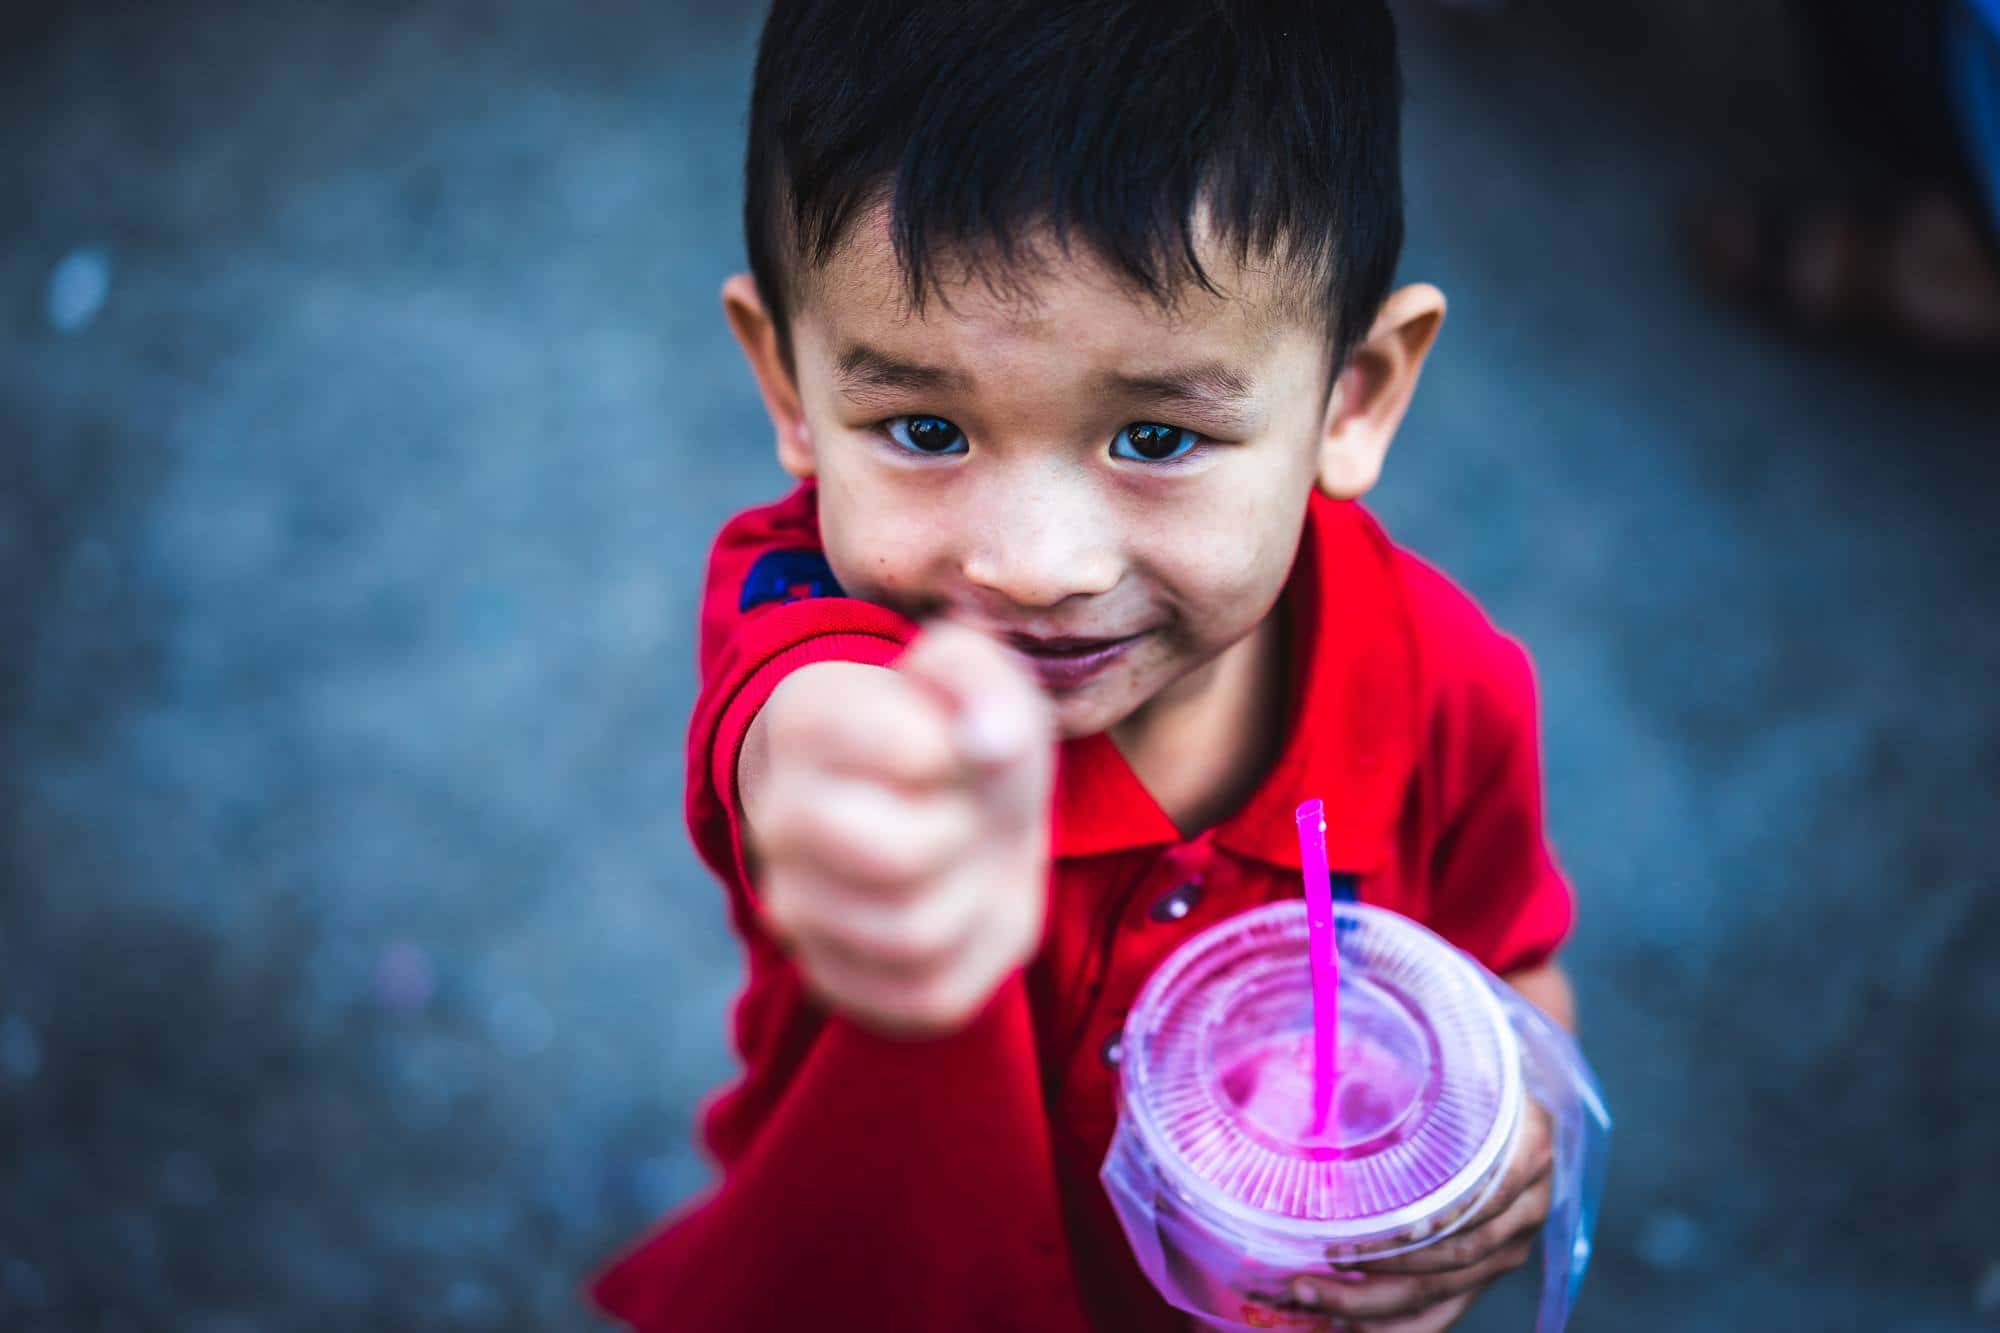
(1227,1188)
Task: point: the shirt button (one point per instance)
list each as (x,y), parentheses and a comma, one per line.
(1113,1049)
(1177,903)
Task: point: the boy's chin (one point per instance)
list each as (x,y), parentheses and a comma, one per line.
(1085,712)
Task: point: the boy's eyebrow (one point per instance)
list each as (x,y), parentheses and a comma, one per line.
(863,371)
(861,368)
(1210,384)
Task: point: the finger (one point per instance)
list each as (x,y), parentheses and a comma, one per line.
(864,833)
(1534,1150)
(1434,1320)
(998,708)
(843,986)
(1396,1296)
(1531,1160)
(867,721)
(1524,1215)
(1527,1170)
(891,1005)
(1001,719)
(912,940)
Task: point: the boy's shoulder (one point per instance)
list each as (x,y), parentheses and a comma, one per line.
(1408,672)
(767,555)
(1475,682)
(1456,653)
(1459,646)
(757,540)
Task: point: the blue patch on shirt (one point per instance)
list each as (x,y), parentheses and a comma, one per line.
(1345,890)
(788,576)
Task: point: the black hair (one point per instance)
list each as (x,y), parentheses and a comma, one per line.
(1112,121)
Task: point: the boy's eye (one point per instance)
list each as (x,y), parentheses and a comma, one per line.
(1150,442)
(927,435)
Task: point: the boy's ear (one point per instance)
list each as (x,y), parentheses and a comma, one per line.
(752,325)
(1374,389)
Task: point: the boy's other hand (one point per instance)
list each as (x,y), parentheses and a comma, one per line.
(898,826)
(1428,1290)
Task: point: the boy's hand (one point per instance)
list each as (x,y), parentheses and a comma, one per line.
(898,824)
(1427,1290)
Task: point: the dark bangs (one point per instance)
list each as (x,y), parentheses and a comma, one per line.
(1110,123)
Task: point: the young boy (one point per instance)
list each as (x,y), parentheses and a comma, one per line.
(1075,323)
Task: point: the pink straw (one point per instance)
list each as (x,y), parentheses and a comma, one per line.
(1322,948)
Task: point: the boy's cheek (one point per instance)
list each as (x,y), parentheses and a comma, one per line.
(879,572)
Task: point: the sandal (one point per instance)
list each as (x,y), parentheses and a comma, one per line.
(1919,277)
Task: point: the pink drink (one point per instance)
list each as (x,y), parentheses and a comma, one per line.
(1225,1176)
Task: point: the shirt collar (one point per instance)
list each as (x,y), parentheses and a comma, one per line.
(1352,723)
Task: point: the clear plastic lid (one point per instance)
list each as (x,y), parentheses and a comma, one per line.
(1218,1078)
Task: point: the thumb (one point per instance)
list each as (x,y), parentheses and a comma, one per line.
(1001,720)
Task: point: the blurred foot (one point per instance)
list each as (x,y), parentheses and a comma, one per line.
(1923,274)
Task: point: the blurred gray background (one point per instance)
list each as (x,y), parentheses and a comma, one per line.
(367,414)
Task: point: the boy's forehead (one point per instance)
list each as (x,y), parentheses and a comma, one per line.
(863,291)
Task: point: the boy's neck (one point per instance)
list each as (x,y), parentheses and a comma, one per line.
(1202,746)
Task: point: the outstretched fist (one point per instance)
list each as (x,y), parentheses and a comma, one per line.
(898,827)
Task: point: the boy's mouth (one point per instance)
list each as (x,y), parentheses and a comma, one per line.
(1065,663)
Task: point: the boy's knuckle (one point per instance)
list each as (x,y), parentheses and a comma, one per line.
(872,1012)
(943,1000)
(922,861)
(919,750)
(838,936)
(793,713)
(774,812)
(849,829)
(923,1011)
(1468,1249)
(878,859)
(931,931)
(819,728)
(1461,1251)
(906,954)
(1387,1298)
(791,825)
(1433,1290)
(781,912)
(809,830)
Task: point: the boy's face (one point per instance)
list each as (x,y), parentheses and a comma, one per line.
(1116,491)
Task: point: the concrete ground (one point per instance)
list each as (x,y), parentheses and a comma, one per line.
(366,418)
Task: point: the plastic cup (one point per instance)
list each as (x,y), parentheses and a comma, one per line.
(1223,1188)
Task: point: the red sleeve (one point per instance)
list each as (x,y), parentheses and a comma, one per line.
(899,1187)
(1496,890)
(869,1183)
(745,652)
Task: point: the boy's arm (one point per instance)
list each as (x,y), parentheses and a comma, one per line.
(1497,893)
(1496,890)
(897,827)
(874,1182)
(1547,988)
(1432,1288)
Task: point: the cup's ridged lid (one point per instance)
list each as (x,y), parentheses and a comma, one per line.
(1427,1101)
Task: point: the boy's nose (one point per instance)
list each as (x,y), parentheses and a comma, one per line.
(1037,551)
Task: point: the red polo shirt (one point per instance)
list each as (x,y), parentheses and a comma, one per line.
(889,1185)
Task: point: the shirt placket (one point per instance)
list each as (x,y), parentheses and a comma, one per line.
(1188,887)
